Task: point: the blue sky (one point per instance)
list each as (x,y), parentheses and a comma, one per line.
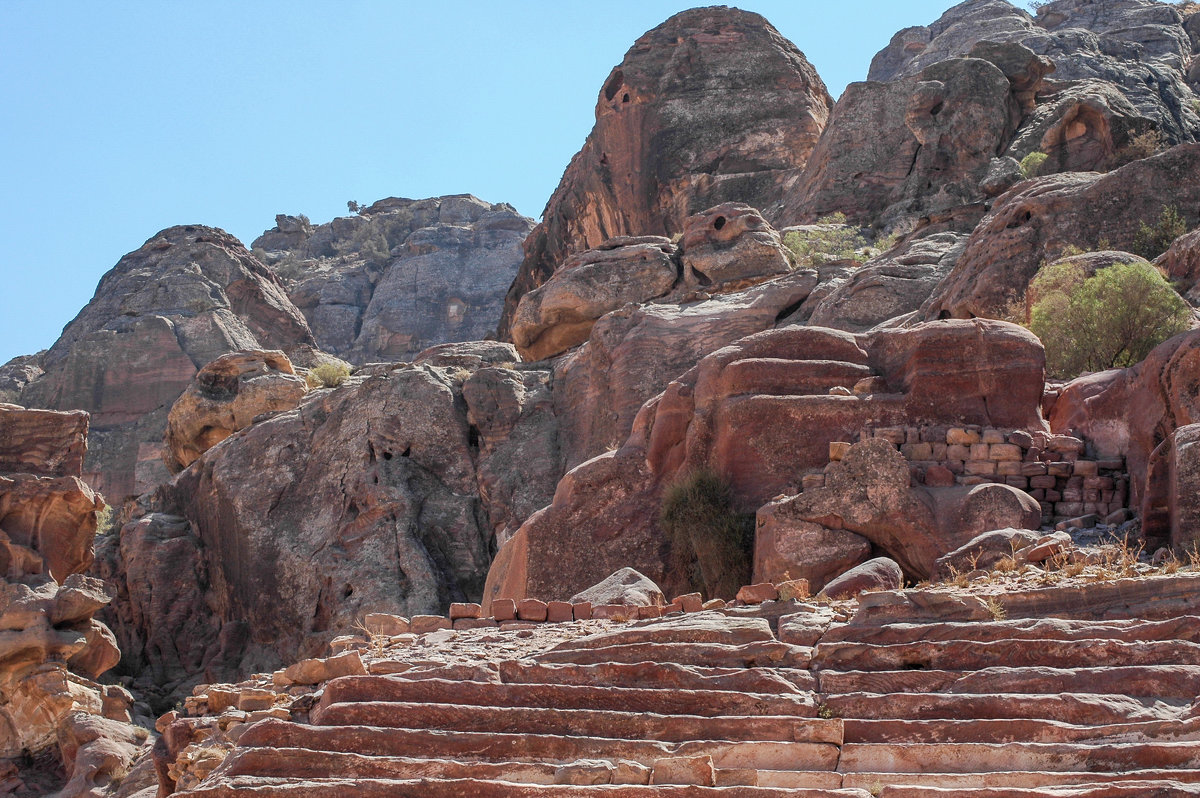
(120,119)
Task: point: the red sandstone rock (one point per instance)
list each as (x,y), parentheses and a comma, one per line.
(757,594)
(226,396)
(531,610)
(504,609)
(802,549)
(463,610)
(880,573)
(559,611)
(43,443)
(731,245)
(654,156)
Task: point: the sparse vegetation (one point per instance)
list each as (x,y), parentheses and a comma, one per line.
(327,375)
(1031,164)
(996,609)
(1109,320)
(814,247)
(710,541)
(106,520)
(1153,240)
(1143,145)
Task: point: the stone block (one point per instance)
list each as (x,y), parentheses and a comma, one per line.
(381,623)
(1085,468)
(1005,451)
(980,451)
(939,477)
(1059,468)
(458,610)
(504,609)
(958,452)
(582,610)
(917,451)
(424,624)
(694,770)
(837,450)
(690,602)
(812,481)
(1065,444)
(757,594)
(559,611)
(957,436)
(1007,468)
(465,624)
(980,467)
(992,436)
(531,609)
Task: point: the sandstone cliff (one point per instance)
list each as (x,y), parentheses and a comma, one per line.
(711,106)
(185,297)
(400,276)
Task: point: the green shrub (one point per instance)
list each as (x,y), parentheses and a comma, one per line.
(814,247)
(710,540)
(1109,320)
(1031,164)
(327,375)
(1153,240)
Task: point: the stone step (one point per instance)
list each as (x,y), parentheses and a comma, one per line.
(707,703)
(1008,757)
(391,742)
(1005,730)
(1132,789)
(660,675)
(1168,682)
(1077,708)
(250,787)
(966,655)
(1023,779)
(1182,628)
(750,655)
(579,722)
(704,627)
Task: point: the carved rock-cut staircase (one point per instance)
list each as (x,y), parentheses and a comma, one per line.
(917,706)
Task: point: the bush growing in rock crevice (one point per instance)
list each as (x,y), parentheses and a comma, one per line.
(711,543)
(1153,240)
(837,241)
(1109,320)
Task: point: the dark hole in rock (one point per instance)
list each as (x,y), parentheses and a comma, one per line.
(614,85)
(937,109)
(945,314)
(625,99)
(718,223)
(347,591)
(387,455)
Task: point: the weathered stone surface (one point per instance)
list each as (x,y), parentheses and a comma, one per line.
(46,525)
(1182,264)
(402,275)
(785,547)
(625,586)
(634,353)
(731,245)
(19,372)
(917,146)
(984,551)
(559,314)
(1141,48)
(880,573)
(868,492)
(1129,412)
(188,295)
(760,412)
(363,499)
(888,286)
(711,106)
(1170,511)
(226,396)
(1037,219)
(44,443)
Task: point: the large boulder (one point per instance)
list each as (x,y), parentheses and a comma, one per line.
(559,314)
(709,107)
(761,412)
(226,396)
(868,492)
(731,245)
(189,295)
(787,547)
(1037,219)
(386,494)
(401,275)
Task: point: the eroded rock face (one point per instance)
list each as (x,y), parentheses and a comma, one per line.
(386,494)
(226,396)
(896,151)
(189,295)
(869,493)
(1139,47)
(559,314)
(786,547)
(402,275)
(760,411)
(53,648)
(1182,264)
(1131,412)
(711,106)
(1037,219)
(731,245)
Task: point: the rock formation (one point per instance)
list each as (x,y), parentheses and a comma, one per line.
(1037,219)
(400,276)
(187,296)
(1139,47)
(711,106)
(386,494)
(762,412)
(53,649)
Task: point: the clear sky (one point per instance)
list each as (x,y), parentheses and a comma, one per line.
(118,119)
